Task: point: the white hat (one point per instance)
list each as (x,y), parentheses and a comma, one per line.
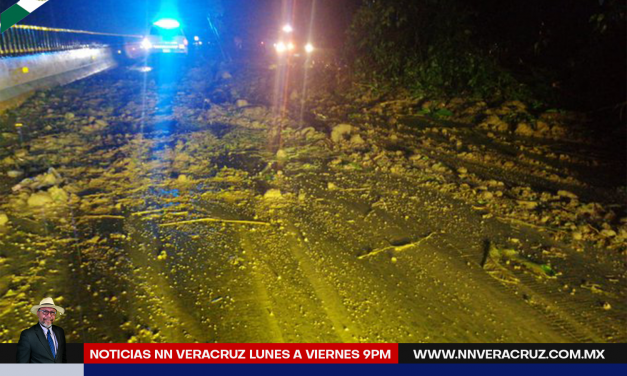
(47,303)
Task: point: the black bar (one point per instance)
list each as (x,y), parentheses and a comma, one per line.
(511,353)
(8,352)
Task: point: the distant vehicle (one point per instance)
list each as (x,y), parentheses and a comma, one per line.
(166,36)
(287,45)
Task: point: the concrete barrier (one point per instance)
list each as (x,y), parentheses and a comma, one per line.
(23,75)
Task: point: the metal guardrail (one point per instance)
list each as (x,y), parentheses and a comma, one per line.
(27,39)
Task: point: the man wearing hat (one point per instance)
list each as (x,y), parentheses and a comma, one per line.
(43,343)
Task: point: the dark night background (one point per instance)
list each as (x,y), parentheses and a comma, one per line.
(238,16)
(570,54)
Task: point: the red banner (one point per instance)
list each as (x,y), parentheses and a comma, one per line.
(239,353)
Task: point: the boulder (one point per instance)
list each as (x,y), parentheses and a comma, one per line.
(516,104)
(39,199)
(58,195)
(494,123)
(340,132)
(7,161)
(273,194)
(567,194)
(542,127)
(558,131)
(9,136)
(524,129)
(14,173)
(357,141)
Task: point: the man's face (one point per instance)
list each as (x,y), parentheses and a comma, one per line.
(46,316)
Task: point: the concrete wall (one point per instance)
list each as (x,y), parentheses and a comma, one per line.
(22,75)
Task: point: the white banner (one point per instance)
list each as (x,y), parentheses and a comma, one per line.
(31,5)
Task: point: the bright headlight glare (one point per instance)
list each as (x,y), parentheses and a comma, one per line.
(280,47)
(309,48)
(167,23)
(146,44)
(290,46)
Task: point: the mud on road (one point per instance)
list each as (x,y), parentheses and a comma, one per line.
(166,211)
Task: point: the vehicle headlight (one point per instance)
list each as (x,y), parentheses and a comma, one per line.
(309,48)
(280,47)
(146,44)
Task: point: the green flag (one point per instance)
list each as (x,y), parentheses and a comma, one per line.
(18,12)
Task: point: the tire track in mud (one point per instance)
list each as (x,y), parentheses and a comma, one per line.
(579,318)
(247,317)
(528,166)
(476,306)
(373,297)
(227,258)
(327,295)
(570,315)
(563,330)
(143,248)
(211,283)
(260,292)
(583,316)
(300,306)
(432,268)
(520,314)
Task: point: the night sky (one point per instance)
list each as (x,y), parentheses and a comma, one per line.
(248,18)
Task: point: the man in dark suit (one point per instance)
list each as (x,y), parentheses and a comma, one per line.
(44,342)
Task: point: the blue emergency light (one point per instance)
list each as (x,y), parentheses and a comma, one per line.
(167,23)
